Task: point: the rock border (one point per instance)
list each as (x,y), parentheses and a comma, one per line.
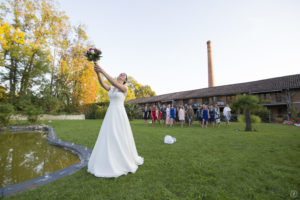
(82,152)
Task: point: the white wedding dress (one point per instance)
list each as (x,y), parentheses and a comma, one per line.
(114,153)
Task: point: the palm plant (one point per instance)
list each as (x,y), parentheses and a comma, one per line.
(247,104)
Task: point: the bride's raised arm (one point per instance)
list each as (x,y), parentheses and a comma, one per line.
(115,83)
(104,85)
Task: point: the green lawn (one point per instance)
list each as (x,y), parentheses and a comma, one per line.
(212,163)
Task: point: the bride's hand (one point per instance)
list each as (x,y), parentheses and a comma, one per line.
(97,68)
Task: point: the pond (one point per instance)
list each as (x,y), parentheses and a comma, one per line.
(28,155)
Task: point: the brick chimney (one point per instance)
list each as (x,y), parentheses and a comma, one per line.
(211,81)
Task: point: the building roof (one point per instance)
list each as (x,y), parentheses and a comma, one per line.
(260,86)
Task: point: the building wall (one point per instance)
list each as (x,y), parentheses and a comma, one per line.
(295,99)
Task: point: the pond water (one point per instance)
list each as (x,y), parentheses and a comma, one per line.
(28,155)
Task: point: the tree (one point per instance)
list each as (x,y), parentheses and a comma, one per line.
(42,60)
(26,57)
(6,110)
(132,110)
(3,95)
(247,104)
(140,91)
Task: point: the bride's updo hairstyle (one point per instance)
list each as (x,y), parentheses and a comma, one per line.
(126,79)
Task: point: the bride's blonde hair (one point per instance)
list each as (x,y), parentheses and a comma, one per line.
(126,79)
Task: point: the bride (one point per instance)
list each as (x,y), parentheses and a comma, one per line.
(114,153)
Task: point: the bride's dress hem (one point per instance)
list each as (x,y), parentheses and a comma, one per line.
(111,175)
(115,175)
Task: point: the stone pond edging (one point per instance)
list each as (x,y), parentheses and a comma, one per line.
(82,152)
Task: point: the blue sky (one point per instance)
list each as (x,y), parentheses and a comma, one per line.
(162,43)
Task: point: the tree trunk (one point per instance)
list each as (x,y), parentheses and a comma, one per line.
(248,120)
(12,81)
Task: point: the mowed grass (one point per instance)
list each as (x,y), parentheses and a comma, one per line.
(204,163)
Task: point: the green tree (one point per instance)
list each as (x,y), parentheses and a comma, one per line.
(247,104)
(26,58)
(3,95)
(132,110)
(140,91)
(6,110)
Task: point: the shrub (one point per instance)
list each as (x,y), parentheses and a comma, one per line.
(32,113)
(133,111)
(100,112)
(254,119)
(264,115)
(278,119)
(90,111)
(6,110)
(52,105)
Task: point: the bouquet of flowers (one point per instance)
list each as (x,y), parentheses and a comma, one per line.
(93,54)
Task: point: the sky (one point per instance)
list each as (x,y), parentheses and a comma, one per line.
(162,43)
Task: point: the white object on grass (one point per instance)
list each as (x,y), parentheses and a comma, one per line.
(169,139)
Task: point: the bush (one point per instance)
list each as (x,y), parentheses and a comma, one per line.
(278,120)
(100,112)
(264,115)
(51,105)
(254,119)
(133,111)
(90,111)
(6,110)
(32,113)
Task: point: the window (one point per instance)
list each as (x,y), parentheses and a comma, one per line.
(278,97)
(280,114)
(205,100)
(228,99)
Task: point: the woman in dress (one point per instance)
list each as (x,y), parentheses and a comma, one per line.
(218,120)
(146,115)
(212,114)
(168,117)
(114,153)
(181,116)
(205,116)
(177,108)
(227,114)
(172,115)
(190,115)
(163,114)
(154,118)
(158,114)
(198,114)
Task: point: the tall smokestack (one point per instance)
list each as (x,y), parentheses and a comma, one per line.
(211,81)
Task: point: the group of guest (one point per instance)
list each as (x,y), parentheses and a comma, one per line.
(169,115)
